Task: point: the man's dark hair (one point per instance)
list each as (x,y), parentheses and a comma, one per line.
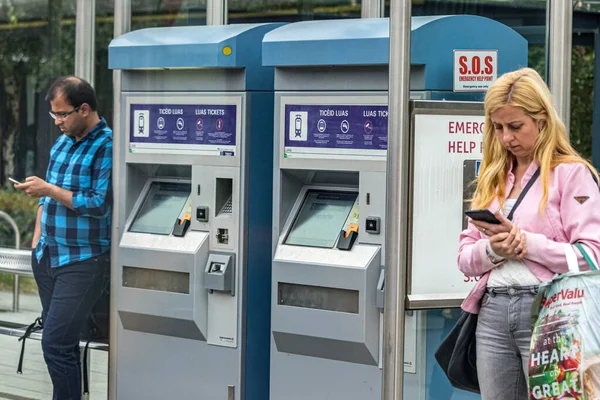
(75,90)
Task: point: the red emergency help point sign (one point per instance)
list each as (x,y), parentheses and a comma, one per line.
(475,70)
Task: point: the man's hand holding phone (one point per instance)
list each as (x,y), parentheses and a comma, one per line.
(34,186)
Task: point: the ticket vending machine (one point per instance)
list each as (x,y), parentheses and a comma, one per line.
(329,222)
(195,188)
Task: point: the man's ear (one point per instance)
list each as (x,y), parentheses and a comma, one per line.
(85,109)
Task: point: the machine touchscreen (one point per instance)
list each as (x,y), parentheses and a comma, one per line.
(160,208)
(321,218)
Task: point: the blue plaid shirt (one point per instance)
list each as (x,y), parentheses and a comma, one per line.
(85,168)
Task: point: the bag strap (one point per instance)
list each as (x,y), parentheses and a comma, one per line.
(86,385)
(35,326)
(534,177)
(587,256)
(572,262)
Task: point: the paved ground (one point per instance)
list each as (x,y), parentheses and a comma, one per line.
(34,383)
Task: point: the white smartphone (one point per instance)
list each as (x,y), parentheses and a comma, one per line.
(14,181)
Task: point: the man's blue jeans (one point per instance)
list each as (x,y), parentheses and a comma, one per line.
(68,294)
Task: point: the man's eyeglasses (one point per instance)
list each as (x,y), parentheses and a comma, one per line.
(62,116)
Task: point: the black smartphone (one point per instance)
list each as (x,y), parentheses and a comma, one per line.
(482,215)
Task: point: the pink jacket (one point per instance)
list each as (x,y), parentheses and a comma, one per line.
(572,215)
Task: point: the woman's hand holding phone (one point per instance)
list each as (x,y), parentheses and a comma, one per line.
(493,229)
(506,239)
(511,245)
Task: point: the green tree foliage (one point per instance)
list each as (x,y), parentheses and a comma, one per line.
(30,54)
(582,99)
(537,58)
(23,210)
(582,93)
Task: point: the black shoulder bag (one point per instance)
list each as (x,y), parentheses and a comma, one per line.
(457,354)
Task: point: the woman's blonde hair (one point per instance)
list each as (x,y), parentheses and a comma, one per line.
(526,90)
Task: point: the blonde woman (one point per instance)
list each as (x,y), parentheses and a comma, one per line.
(523,134)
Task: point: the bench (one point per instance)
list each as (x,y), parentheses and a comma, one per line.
(18,263)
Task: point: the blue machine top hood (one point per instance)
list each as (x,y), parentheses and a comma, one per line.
(187,47)
(367,42)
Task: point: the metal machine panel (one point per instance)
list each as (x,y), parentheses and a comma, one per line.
(184,81)
(166,253)
(347,336)
(372,205)
(222,217)
(143,241)
(342,78)
(174,370)
(298,377)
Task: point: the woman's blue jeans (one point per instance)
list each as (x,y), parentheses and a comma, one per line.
(503,340)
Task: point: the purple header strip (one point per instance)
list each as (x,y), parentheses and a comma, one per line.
(336,126)
(189,124)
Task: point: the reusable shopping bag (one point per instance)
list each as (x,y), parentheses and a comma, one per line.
(564,358)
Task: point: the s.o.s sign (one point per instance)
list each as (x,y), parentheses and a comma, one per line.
(475,70)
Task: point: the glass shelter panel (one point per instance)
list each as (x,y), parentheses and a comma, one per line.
(37,40)
(245,11)
(150,13)
(37,44)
